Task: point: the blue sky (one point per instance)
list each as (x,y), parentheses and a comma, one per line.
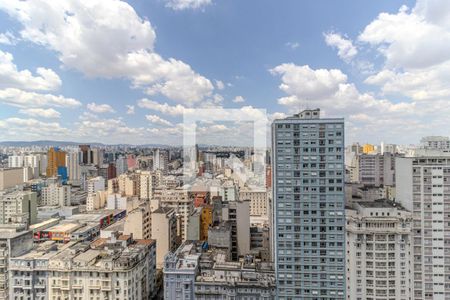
(362,60)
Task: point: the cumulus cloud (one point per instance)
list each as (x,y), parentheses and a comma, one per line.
(41,112)
(11,77)
(7,38)
(292,45)
(130,109)
(100,108)
(238,99)
(220,85)
(173,110)
(24,99)
(187,4)
(107,39)
(416,47)
(31,128)
(155,119)
(346,50)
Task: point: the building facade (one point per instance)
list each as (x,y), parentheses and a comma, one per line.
(309,214)
(378,237)
(423,187)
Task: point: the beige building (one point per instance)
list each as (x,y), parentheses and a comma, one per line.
(138,222)
(10,177)
(18,207)
(180,200)
(117,267)
(259,203)
(378,253)
(164,232)
(55,194)
(97,196)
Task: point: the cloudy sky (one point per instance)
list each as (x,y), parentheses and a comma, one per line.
(125,72)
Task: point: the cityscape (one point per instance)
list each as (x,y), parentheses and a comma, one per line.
(224,150)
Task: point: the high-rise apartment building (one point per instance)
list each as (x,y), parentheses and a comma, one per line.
(18,207)
(378,251)
(376,169)
(423,187)
(56,159)
(73,166)
(55,194)
(309,214)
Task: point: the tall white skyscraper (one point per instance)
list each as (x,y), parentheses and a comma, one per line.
(73,166)
(423,187)
(309,215)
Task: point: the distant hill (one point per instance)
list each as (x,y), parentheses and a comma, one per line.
(44,143)
(50,143)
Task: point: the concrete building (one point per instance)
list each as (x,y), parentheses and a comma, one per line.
(435,142)
(73,166)
(95,199)
(219,237)
(10,177)
(164,232)
(238,213)
(309,214)
(56,159)
(138,222)
(121,165)
(180,200)
(377,169)
(18,207)
(12,243)
(55,194)
(116,267)
(116,201)
(378,251)
(259,202)
(147,183)
(36,161)
(423,187)
(196,272)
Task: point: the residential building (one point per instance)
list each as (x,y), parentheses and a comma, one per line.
(138,222)
(95,198)
(423,187)
(18,207)
(73,166)
(378,251)
(56,159)
(435,142)
(377,169)
(12,243)
(118,267)
(164,232)
(11,177)
(309,215)
(259,201)
(238,213)
(55,194)
(196,272)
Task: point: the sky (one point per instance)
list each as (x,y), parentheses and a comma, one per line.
(130,72)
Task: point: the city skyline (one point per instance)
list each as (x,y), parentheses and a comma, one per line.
(133,84)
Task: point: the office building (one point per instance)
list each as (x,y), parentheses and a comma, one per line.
(309,215)
(378,251)
(376,169)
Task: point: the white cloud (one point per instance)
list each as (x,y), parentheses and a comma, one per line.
(41,112)
(31,129)
(7,38)
(100,108)
(238,99)
(187,4)
(416,47)
(130,109)
(292,45)
(220,85)
(346,50)
(173,110)
(107,39)
(158,120)
(20,98)
(10,76)
(306,83)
